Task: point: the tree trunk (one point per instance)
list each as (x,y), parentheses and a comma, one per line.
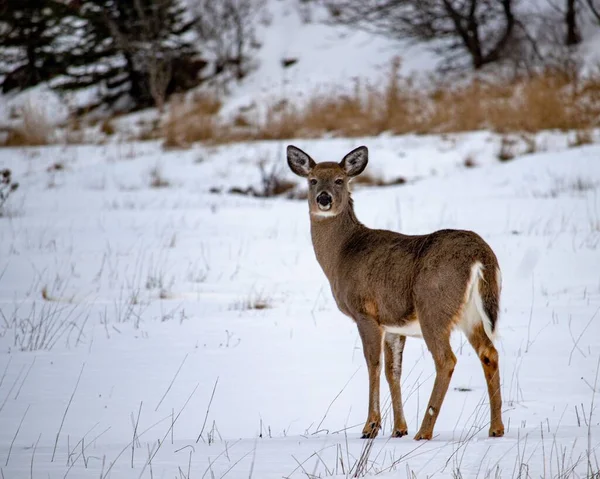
(573,36)
(33,76)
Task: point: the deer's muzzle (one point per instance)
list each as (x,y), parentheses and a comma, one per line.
(324,200)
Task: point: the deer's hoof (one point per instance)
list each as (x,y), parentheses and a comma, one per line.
(399,432)
(423,435)
(497,431)
(371,430)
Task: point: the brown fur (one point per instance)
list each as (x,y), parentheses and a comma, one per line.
(382,279)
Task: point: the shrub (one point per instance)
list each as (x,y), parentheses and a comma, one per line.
(7,187)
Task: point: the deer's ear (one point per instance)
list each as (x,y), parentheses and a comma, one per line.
(299,162)
(356,161)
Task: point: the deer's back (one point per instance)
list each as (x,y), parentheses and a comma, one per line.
(385,274)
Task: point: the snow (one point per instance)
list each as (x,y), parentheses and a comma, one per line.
(176,332)
(322,53)
(154,286)
(40,99)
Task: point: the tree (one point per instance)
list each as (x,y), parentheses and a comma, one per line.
(481,28)
(30,52)
(573,36)
(135,49)
(594,6)
(226,29)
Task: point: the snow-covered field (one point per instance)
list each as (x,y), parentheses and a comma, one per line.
(173,332)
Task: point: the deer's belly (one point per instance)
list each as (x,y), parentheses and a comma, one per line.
(412,328)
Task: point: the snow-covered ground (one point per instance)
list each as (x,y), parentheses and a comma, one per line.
(134,342)
(177,332)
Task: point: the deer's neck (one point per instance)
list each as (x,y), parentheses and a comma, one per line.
(329,234)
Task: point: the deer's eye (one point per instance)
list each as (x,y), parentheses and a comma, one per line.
(339,181)
(313,181)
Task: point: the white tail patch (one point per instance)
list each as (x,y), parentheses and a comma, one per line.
(474,312)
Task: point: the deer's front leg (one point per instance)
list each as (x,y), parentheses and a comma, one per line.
(394,347)
(371,336)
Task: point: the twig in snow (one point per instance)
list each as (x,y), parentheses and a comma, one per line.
(575,343)
(301,464)
(185,447)
(5,369)
(237,462)
(66,411)
(318,428)
(530,314)
(223,452)
(151,453)
(170,385)
(589,432)
(71,452)
(103,474)
(135,433)
(33,455)
(16,433)
(252,463)
(73,462)
(160,443)
(11,388)
(360,468)
(25,378)
(208,410)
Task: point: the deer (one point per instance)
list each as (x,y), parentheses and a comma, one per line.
(395,285)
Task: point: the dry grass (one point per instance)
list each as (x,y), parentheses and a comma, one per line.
(582,137)
(257,301)
(7,188)
(35,128)
(157,180)
(552,99)
(196,121)
(577,186)
(369,179)
(107,127)
(507,150)
(469,162)
(272,183)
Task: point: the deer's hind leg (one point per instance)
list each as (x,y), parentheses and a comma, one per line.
(436,326)
(393,348)
(489,361)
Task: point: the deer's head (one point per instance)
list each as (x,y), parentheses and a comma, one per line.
(328,182)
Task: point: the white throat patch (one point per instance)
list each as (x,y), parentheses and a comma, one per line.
(323,214)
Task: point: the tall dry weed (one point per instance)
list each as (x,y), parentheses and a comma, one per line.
(192,121)
(35,128)
(552,99)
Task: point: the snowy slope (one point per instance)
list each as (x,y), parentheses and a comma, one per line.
(154,287)
(330,58)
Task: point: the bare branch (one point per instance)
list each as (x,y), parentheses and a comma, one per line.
(481,28)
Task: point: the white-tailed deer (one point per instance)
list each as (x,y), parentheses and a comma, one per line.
(393,285)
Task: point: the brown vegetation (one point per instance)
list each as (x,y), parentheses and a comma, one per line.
(7,187)
(553,99)
(192,122)
(34,128)
(549,100)
(582,137)
(369,179)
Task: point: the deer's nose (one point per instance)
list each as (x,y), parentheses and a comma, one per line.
(324,198)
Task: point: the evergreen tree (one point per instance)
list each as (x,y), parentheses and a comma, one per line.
(135,49)
(30,52)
